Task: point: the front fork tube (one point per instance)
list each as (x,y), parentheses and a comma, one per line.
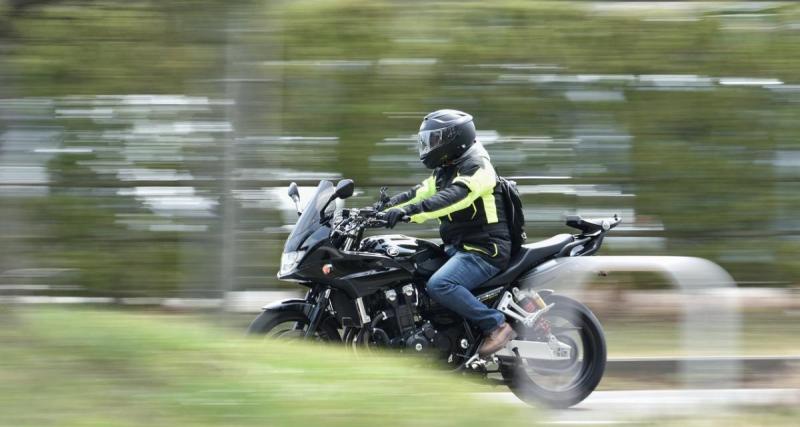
(317,312)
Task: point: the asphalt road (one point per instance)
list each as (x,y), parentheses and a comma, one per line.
(620,407)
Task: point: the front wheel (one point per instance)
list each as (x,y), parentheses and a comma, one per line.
(292,325)
(561,384)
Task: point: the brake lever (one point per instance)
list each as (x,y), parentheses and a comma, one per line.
(384,195)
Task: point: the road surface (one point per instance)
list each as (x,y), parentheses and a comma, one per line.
(620,407)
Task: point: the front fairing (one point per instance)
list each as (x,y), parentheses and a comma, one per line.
(309,249)
(306,231)
(356,273)
(311,229)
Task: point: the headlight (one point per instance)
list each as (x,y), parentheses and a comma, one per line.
(289,261)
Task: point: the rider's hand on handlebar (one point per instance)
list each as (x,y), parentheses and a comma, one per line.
(393,216)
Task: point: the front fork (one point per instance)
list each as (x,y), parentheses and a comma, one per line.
(319,300)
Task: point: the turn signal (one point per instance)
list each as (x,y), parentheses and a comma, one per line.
(326,269)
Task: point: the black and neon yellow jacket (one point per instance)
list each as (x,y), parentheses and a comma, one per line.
(465,198)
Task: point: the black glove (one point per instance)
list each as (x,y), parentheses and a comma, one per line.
(393,216)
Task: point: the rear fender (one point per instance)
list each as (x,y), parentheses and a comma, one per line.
(544,293)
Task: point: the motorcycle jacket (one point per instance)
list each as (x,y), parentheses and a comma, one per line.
(464,197)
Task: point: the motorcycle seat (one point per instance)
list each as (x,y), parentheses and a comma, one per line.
(528,257)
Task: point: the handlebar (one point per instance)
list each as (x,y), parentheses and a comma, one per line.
(369,217)
(381,216)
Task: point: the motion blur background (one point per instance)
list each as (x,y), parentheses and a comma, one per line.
(145,146)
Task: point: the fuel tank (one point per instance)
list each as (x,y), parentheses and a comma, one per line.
(427,256)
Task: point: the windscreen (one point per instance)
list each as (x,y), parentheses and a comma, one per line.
(309,222)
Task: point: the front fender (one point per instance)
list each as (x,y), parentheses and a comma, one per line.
(273,310)
(289,304)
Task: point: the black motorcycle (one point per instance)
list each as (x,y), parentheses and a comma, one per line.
(369,292)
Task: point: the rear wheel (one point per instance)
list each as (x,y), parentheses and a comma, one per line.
(561,384)
(292,325)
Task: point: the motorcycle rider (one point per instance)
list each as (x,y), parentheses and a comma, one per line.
(462,193)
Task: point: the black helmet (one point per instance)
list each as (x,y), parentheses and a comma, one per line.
(445,135)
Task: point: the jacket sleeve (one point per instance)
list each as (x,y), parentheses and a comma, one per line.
(471,183)
(417,194)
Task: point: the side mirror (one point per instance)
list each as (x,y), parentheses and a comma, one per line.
(344,188)
(294,194)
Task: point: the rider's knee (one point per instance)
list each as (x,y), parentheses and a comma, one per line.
(436,286)
(433,288)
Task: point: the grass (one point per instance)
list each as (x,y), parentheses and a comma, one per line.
(760,335)
(85,367)
(71,367)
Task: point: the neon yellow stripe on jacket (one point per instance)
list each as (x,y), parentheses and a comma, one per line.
(427,189)
(477,249)
(481,183)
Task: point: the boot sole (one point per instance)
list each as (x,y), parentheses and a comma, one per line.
(511,336)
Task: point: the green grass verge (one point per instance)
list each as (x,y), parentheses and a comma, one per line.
(760,335)
(103,368)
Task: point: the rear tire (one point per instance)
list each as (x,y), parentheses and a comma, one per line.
(588,374)
(292,325)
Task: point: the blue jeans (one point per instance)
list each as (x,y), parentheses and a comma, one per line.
(450,286)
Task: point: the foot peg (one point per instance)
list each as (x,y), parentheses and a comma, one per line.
(478,363)
(475,363)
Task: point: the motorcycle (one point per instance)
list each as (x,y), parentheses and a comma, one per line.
(369,292)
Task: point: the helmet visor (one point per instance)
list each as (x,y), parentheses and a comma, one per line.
(428,140)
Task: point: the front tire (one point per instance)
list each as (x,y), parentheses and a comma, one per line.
(292,325)
(579,327)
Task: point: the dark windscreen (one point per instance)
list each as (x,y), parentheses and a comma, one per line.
(308,222)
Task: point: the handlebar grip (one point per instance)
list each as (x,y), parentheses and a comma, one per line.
(381,216)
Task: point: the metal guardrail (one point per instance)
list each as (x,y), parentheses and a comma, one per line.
(650,365)
(705,371)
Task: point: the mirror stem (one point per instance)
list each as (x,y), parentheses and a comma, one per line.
(296,201)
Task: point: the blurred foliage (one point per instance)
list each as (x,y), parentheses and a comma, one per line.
(85,367)
(109,47)
(699,160)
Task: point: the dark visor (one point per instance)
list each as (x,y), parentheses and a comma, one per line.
(428,140)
